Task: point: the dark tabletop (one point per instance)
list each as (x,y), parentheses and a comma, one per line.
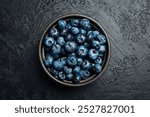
(22,23)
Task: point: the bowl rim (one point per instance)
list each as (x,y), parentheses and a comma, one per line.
(107,58)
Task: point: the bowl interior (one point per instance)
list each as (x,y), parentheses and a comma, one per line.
(96,26)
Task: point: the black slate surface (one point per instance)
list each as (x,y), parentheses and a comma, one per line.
(22,23)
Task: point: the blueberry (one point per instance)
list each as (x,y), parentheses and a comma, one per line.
(75,30)
(77,79)
(82,51)
(84,74)
(61,76)
(101,38)
(54,72)
(97,68)
(69,77)
(56,49)
(58,65)
(69,37)
(61,41)
(82,31)
(61,24)
(72,60)
(86,65)
(67,70)
(76,70)
(93,54)
(95,33)
(54,32)
(64,60)
(70,46)
(95,44)
(64,32)
(75,22)
(49,41)
(68,26)
(81,39)
(85,23)
(98,60)
(48,61)
(90,37)
(102,49)
(80,61)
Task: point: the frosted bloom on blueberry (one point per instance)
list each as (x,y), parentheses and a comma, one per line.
(49,41)
(75,30)
(82,51)
(61,41)
(58,65)
(75,22)
(62,24)
(54,32)
(93,54)
(85,23)
(56,49)
(70,46)
(48,61)
(102,48)
(101,38)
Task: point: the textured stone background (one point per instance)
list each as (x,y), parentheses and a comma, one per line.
(22,23)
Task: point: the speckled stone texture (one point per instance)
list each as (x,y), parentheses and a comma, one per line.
(22,23)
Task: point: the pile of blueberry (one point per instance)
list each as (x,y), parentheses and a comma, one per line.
(74,50)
